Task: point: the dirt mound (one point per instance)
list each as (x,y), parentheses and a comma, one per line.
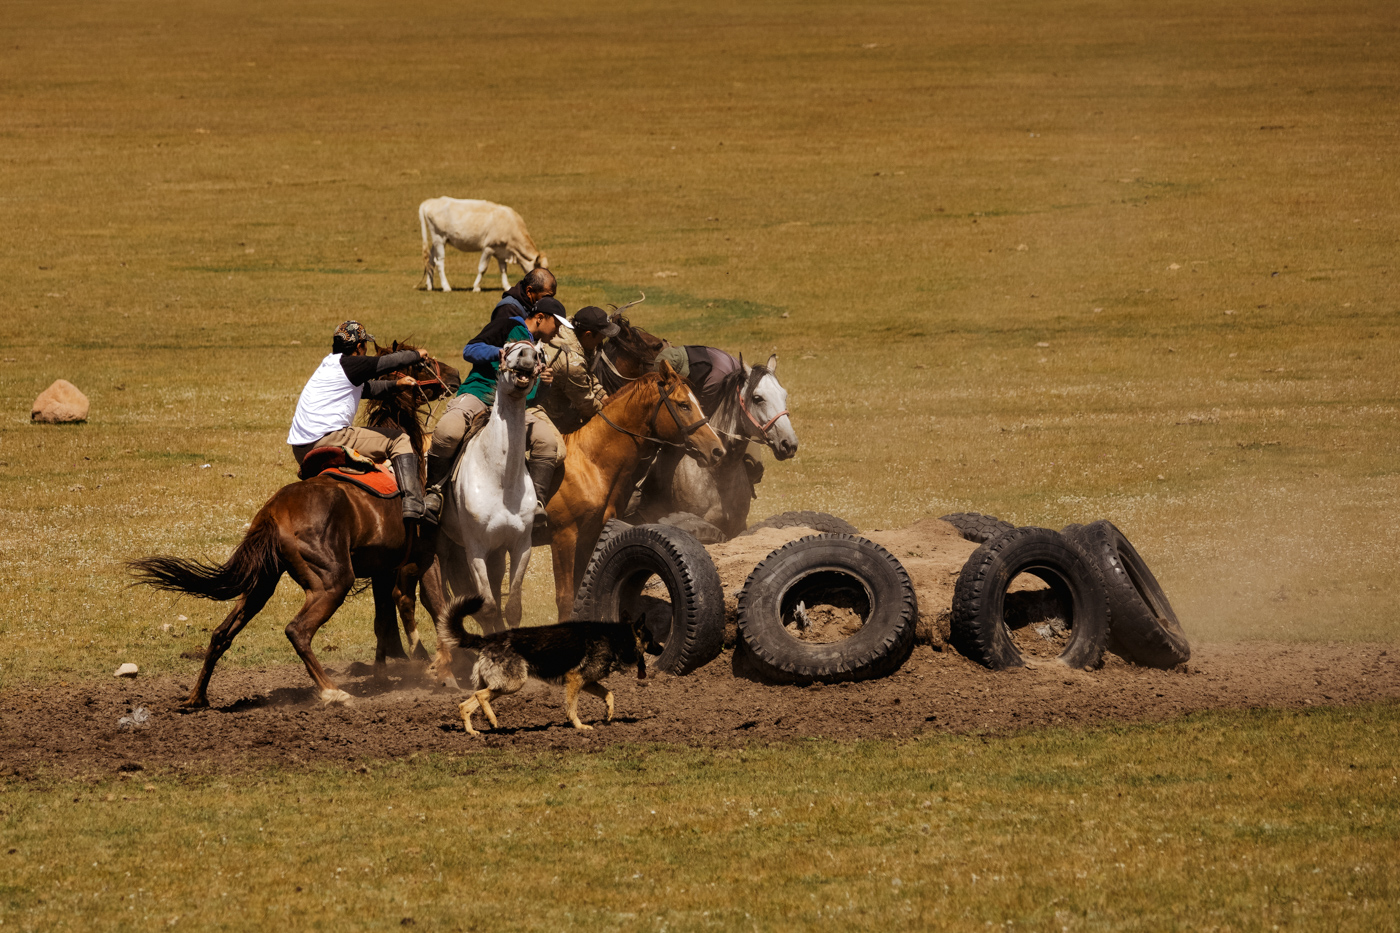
(932,551)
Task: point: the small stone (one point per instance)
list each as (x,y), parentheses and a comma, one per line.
(182,618)
(60,403)
(126,670)
(1022,248)
(1042,344)
(1173,267)
(1160,476)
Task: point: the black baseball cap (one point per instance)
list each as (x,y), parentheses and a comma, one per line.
(595,319)
(550,305)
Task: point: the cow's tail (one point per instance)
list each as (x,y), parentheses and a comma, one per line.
(255,561)
(457,613)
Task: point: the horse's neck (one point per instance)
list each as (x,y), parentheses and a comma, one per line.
(613,453)
(500,446)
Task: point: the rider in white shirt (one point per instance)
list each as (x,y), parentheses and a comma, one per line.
(326,410)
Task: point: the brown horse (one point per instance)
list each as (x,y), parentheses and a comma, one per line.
(655,409)
(324,533)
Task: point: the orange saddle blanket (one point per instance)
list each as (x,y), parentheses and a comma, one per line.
(350,466)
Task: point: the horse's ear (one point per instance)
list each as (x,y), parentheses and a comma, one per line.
(664,368)
(741,359)
(772,366)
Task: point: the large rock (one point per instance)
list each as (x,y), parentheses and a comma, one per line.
(58,403)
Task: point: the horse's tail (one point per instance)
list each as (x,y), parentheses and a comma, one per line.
(254,561)
(457,613)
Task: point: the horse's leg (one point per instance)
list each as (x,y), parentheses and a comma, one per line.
(561,550)
(502,261)
(450,570)
(488,587)
(248,605)
(422,584)
(326,589)
(386,629)
(519,563)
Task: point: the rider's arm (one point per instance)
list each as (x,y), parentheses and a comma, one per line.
(485,347)
(580,387)
(361,369)
(479,353)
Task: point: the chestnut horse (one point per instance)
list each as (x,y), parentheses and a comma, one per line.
(324,533)
(657,409)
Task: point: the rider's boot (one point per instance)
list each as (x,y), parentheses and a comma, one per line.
(439,468)
(541,474)
(406,472)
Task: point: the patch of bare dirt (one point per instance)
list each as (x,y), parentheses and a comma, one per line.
(271,716)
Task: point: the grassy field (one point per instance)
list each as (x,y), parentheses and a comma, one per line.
(1052,261)
(1209,823)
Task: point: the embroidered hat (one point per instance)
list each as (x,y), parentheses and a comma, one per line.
(353,332)
(595,319)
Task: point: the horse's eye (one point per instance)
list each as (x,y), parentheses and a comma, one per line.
(758,400)
(685,406)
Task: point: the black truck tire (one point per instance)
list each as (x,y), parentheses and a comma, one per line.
(626,558)
(974,526)
(978,624)
(1144,625)
(828,567)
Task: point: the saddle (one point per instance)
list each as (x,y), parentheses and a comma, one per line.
(350,466)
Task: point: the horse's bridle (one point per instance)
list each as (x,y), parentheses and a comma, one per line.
(762,428)
(665,399)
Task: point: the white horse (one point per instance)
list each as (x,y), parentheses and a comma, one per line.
(749,405)
(489,511)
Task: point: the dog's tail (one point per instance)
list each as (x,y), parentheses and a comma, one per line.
(457,613)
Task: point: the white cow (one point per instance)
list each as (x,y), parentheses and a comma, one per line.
(470,225)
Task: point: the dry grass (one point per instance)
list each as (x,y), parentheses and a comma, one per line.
(1207,823)
(995,246)
(194,199)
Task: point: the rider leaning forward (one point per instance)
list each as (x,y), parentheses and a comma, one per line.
(544,454)
(573,394)
(326,409)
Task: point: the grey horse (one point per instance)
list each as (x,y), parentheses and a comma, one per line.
(745,404)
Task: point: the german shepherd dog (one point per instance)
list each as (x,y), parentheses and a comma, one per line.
(576,654)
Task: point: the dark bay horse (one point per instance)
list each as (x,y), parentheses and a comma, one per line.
(325,534)
(654,410)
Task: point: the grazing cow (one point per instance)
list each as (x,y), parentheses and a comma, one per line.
(469,225)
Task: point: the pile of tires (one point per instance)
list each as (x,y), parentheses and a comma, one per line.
(1102,586)
(826,608)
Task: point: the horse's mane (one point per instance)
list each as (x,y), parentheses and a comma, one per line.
(727,409)
(634,343)
(406,409)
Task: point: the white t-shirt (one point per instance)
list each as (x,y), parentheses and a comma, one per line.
(328,403)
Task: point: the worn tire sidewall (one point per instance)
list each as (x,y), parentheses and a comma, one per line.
(884,640)
(978,623)
(632,554)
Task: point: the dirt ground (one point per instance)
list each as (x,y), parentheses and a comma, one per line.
(270,716)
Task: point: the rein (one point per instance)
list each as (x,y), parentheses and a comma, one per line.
(665,400)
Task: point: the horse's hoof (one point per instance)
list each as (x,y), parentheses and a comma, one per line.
(192,706)
(336,698)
